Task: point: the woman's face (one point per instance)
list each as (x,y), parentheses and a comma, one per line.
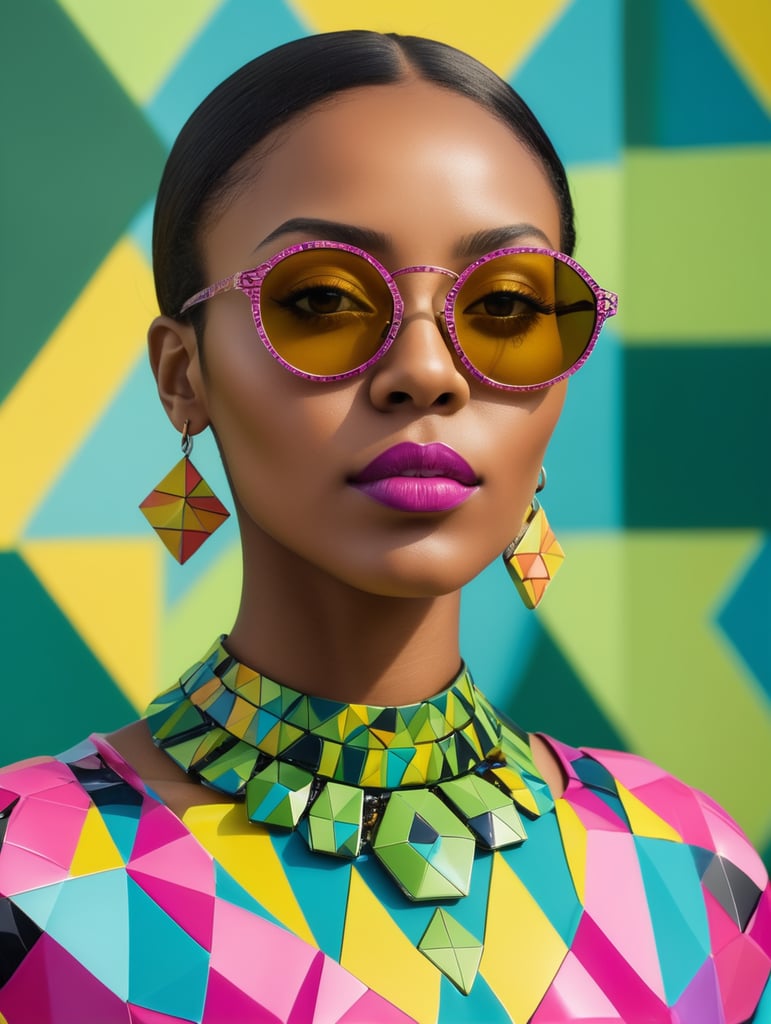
(418,172)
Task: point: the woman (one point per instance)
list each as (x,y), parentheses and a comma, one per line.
(324,820)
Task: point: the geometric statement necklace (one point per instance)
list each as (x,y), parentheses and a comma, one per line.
(420,786)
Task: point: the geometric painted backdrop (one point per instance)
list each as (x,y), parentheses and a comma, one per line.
(657,635)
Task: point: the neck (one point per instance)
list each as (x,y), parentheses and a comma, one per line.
(318,635)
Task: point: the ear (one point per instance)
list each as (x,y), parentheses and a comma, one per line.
(176,364)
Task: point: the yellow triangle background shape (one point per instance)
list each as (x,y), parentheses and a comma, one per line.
(110,591)
(743,29)
(120,294)
(399,971)
(522,948)
(465,26)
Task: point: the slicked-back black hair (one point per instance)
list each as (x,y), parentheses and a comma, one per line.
(267,92)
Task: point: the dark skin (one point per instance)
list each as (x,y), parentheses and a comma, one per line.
(342,596)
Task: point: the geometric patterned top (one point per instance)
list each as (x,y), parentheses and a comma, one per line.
(634,899)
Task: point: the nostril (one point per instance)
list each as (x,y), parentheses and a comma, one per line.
(398,397)
(444,399)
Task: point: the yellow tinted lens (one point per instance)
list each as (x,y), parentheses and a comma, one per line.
(524,318)
(325,311)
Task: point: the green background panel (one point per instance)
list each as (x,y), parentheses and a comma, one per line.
(697,225)
(47,669)
(78,160)
(714,401)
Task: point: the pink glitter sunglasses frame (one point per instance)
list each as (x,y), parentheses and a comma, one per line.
(250,283)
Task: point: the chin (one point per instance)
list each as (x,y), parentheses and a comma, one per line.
(416,577)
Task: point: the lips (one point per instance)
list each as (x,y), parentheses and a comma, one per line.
(418,478)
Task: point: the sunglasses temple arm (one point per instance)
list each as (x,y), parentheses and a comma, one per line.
(227,284)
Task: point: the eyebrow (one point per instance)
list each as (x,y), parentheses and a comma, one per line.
(468,247)
(499,238)
(332,231)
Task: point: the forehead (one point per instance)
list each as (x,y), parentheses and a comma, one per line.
(416,162)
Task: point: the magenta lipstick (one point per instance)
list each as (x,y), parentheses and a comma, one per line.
(418,478)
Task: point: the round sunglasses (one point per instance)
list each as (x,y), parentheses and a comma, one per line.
(519,319)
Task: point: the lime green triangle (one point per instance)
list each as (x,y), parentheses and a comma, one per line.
(468,965)
(453,949)
(447,962)
(160,32)
(436,935)
(688,695)
(598,193)
(460,937)
(585,615)
(209,607)
(667,193)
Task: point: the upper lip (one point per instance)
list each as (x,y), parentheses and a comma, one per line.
(422,460)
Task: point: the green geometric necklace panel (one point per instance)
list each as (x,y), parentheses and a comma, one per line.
(422,787)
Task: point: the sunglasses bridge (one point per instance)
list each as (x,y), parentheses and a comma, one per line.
(439,315)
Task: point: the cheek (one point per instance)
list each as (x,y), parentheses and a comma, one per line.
(524,443)
(276,431)
(522,453)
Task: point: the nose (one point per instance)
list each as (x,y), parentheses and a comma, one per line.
(420,368)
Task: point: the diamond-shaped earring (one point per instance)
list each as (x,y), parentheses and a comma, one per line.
(182,509)
(535,556)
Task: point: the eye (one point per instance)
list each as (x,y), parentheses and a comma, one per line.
(325,298)
(321,301)
(507,304)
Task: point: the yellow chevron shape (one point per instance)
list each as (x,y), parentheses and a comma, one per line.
(522,949)
(140,41)
(72,380)
(110,591)
(396,969)
(246,852)
(743,29)
(573,835)
(501,34)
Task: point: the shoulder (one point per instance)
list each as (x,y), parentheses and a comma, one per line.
(31,778)
(685,844)
(35,775)
(696,872)
(695,818)
(44,806)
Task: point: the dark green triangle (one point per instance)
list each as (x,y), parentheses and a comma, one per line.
(551,698)
(54,692)
(720,419)
(79,161)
